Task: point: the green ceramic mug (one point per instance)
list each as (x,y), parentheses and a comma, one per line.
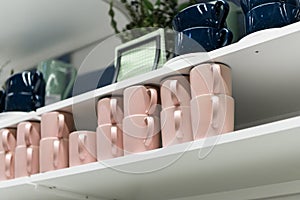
(59,77)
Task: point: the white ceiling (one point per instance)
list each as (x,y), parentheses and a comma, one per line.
(34,30)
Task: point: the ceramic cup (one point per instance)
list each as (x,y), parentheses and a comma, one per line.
(109,141)
(110,110)
(54,154)
(25,91)
(212,115)
(82,147)
(176,125)
(201,39)
(202,14)
(141,133)
(140,100)
(57,124)
(271,15)
(248,5)
(2,100)
(175,91)
(59,78)
(26,160)
(7,148)
(210,78)
(28,133)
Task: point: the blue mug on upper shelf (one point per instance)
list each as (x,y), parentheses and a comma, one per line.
(201,39)
(202,14)
(25,91)
(2,100)
(248,5)
(271,15)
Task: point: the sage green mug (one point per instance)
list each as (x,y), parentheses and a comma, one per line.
(59,77)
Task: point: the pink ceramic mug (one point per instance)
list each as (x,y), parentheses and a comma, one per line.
(109,141)
(82,147)
(140,100)
(7,170)
(54,154)
(175,91)
(26,160)
(212,115)
(176,125)
(28,133)
(7,140)
(57,124)
(110,110)
(210,78)
(140,133)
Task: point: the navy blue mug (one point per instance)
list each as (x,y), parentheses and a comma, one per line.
(25,91)
(202,14)
(271,15)
(2,100)
(248,5)
(201,39)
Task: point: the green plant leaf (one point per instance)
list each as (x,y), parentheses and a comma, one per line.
(147,4)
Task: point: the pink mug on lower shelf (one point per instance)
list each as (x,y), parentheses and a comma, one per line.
(212,115)
(28,133)
(82,148)
(7,167)
(141,133)
(57,124)
(110,110)
(141,99)
(109,141)
(210,78)
(176,125)
(54,154)
(7,140)
(26,160)
(175,91)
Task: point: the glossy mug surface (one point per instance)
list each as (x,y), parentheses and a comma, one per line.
(25,91)
(176,125)
(26,160)
(271,15)
(175,91)
(109,141)
(59,77)
(201,39)
(141,100)
(28,133)
(211,78)
(54,154)
(202,14)
(110,110)
(212,115)
(82,147)
(248,5)
(140,133)
(57,124)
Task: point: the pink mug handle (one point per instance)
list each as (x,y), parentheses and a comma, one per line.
(29,159)
(81,146)
(6,136)
(178,120)
(217,79)
(8,164)
(215,110)
(56,147)
(153,100)
(114,139)
(113,110)
(61,125)
(150,130)
(174,92)
(28,128)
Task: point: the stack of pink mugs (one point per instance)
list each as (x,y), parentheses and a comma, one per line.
(176,125)
(7,153)
(141,123)
(212,107)
(27,150)
(54,145)
(109,130)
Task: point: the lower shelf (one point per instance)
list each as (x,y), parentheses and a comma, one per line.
(254,157)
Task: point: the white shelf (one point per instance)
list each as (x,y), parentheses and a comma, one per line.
(265,155)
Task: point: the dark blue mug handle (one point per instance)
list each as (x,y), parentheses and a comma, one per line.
(39,89)
(225,37)
(221,10)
